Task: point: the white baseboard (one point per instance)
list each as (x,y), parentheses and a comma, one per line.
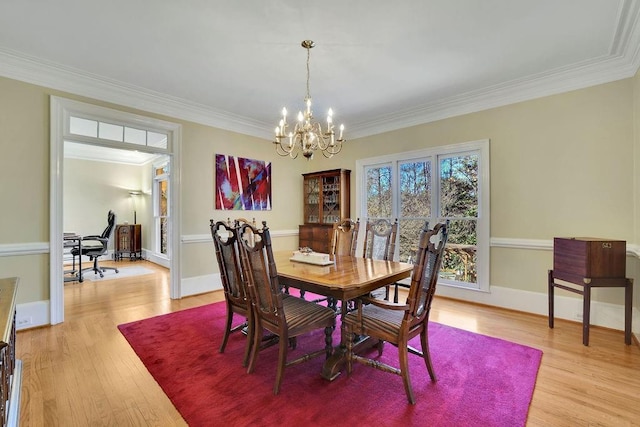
(201,284)
(32,314)
(602,314)
(150,256)
(13,403)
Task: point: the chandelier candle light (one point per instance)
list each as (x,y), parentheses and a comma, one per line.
(307,135)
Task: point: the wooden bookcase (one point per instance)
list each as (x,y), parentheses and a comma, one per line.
(326,200)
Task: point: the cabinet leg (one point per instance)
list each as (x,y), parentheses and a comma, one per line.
(551,296)
(628,305)
(586,314)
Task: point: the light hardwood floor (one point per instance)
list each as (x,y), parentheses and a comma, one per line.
(83,372)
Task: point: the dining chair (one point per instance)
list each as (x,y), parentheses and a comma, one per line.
(398,323)
(344,237)
(283,315)
(380,243)
(236,295)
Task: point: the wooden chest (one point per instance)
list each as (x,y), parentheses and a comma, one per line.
(589,257)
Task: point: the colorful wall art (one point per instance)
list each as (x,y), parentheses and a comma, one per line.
(242,184)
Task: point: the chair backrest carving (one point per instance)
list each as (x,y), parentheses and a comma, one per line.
(225,240)
(380,239)
(344,237)
(424,277)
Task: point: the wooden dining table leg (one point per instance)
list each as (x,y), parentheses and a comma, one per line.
(333,365)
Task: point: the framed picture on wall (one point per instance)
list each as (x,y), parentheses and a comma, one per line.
(242,184)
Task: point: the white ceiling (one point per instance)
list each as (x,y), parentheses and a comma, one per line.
(74,150)
(380,65)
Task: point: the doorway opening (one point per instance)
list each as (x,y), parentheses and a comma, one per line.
(106,128)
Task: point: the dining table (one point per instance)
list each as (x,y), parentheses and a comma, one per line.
(342,278)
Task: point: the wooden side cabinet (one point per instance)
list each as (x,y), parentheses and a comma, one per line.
(10,367)
(315,236)
(583,263)
(128,241)
(326,201)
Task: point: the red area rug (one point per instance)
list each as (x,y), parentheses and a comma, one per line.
(482,381)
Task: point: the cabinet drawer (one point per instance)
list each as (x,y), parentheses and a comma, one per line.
(305,232)
(322,233)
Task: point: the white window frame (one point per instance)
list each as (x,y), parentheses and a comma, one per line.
(157,238)
(481,147)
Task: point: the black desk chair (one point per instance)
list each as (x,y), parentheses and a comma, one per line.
(95,246)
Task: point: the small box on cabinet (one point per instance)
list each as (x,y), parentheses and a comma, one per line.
(589,257)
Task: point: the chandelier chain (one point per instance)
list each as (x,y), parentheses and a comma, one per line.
(308,74)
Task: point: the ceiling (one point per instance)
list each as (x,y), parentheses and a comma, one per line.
(97,153)
(380,65)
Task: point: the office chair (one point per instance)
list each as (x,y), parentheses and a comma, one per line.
(95,250)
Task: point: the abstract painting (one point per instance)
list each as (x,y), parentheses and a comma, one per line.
(242,184)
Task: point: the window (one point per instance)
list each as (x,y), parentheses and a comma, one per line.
(115,132)
(161,208)
(436,184)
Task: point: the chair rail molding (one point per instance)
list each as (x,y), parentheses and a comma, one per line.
(35,248)
(546,245)
(206,238)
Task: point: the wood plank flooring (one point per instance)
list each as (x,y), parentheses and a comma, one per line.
(84,373)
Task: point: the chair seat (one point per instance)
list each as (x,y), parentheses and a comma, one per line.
(300,313)
(382,321)
(88,248)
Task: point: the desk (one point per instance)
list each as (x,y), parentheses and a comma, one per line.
(72,240)
(347,278)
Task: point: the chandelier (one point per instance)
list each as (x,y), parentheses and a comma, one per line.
(307,136)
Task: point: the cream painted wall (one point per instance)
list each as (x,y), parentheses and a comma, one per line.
(24,164)
(560,166)
(24,174)
(93,188)
(201,144)
(24,171)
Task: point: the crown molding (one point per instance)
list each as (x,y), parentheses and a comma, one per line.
(622,62)
(33,70)
(580,76)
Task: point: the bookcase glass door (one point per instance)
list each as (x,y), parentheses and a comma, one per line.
(331,199)
(312,199)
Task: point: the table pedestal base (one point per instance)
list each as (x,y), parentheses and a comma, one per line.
(332,367)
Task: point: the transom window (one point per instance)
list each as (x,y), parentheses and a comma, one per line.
(436,184)
(116,132)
